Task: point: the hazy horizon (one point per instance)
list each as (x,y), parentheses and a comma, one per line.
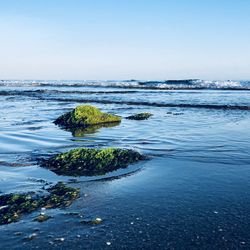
(146,40)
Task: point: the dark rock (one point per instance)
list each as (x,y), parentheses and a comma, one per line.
(140,116)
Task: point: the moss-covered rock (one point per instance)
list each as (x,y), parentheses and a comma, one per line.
(13,206)
(140,116)
(90,161)
(85,116)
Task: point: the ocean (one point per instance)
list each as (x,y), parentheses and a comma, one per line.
(192,193)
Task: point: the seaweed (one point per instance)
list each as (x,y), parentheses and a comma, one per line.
(140,116)
(14,205)
(91,161)
(85,116)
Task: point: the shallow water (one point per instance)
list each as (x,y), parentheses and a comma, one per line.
(192,193)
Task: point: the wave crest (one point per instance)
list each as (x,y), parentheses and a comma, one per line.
(167,84)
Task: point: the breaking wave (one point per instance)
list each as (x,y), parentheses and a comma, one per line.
(136,84)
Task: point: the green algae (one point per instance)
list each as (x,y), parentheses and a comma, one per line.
(85,116)
(13,206)
(91,161)
(140,116)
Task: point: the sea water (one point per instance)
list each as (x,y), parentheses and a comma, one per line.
(193,193)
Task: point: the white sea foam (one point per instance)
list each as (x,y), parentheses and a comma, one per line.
(168,84)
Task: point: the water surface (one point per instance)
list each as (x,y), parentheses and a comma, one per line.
(193,193)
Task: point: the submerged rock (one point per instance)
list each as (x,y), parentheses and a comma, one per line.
(140,116)
(15,205)
(91,161)
(85,116)
(95,221)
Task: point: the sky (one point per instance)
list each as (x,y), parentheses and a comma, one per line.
(124,39)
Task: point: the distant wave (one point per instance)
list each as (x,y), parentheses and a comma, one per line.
(52,91)
(136,84)
(39,94)
(154,104)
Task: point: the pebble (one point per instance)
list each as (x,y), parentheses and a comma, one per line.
(17,233)
(42,217)
(60,239)
(108,243)
(2,207)
(31,236)
(97,221)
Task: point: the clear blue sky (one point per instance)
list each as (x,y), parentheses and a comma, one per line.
(124,39)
